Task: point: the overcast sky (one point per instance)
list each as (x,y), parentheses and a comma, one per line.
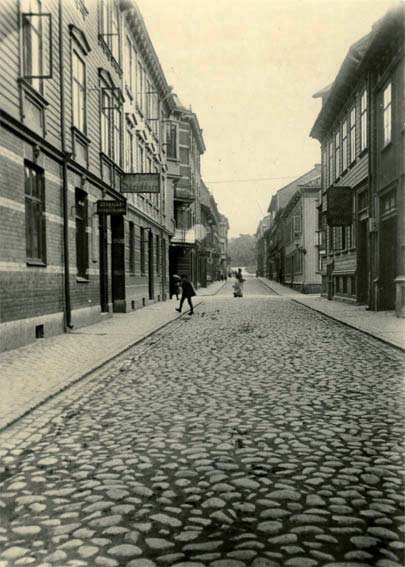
(249,70)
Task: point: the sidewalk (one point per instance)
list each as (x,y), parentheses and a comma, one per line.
(383,325)
(31,374)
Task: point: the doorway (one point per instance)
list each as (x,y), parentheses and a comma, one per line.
(362,263)
(118,263)
(388,258)
(102,231)
(150,266)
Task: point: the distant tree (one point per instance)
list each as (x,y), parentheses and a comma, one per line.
(242,250)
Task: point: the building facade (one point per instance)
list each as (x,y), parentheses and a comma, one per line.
(299,226)
(99,168)
(287,247)
(360,128)
(57,160)
(185,145)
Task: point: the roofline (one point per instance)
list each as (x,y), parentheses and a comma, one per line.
(133,14)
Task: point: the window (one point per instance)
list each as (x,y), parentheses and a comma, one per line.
(105,123)
(388,203)
(344,145)
(387,114)
(33,45)
(129,152)
(116,155)
(110,29)
(352,134)
(171,140)
(140,159)
(142,250)
(131,247)
(128,63)
(157,254)
(82,247)
(140,88)
(110,125)
(330,239)
(35,214)
(79,92)
(337,154)
(331,165)
(363,122)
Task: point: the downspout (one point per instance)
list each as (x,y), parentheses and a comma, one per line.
(66,156)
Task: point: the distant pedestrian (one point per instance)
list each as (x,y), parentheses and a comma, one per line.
(238,285)
(187,293)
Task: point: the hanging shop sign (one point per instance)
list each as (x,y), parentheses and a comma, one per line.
(339,210)
(111,207)
(140,183)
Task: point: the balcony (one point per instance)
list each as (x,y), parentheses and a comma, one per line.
(190,235)
(184,236)
(185,194)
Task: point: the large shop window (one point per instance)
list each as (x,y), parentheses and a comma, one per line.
(35,214)
(82,241)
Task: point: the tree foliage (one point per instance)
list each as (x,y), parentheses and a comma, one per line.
(242,250)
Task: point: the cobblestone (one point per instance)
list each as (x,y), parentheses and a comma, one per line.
(212,448)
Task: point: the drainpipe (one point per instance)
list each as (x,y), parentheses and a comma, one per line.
(66,157)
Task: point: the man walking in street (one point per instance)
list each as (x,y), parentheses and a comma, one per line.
(187,293)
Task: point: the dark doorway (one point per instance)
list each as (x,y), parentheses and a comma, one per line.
(118,263)
(163,267)
(329,280)
(102,229)
(388,257)
(362,263)
(150,266)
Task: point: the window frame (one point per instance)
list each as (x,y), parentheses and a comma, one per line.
(387,113)
(75,52)
(363,121)
(344,146)
(337,153)
(112,42)
(353,134)
(32,202)
(36,82)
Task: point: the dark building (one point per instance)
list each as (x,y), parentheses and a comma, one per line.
(360,128)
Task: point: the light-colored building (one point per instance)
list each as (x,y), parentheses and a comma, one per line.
(299,220)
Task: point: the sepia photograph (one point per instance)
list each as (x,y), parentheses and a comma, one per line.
(202,283)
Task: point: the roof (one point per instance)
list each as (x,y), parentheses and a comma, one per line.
(283,195)
(354,64)
(334,96)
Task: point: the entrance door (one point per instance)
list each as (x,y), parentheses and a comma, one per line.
(388,258)
(329,279)
(150,266)
(118,263)
(102,230)
(163,267)
(362,263)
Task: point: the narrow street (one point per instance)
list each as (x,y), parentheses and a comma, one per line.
(255,433)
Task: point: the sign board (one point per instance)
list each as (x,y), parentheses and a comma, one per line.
(111,207)
(140,183)
(339,211)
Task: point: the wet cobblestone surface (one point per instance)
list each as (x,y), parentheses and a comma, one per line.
(256,433)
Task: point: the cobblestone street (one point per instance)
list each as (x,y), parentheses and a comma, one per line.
(255,433)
